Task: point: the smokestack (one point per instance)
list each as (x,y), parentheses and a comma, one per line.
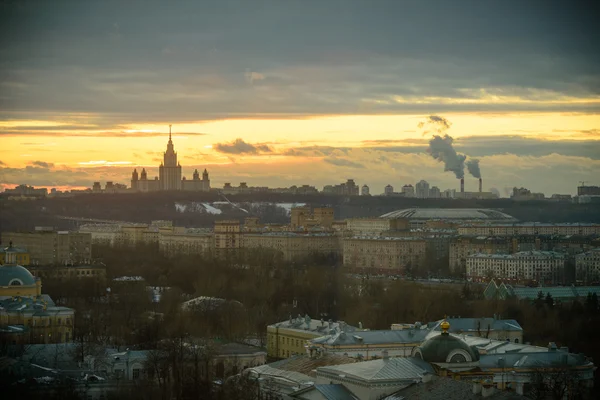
(462,185)
(480,186)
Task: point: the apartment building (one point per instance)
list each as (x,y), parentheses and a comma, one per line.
(294,245)
(530,228)
(376,226)
(47,246)
(190,241)
(541,266)
(383,253)
(587,266)
(462,247)
(305,217)
(227,236)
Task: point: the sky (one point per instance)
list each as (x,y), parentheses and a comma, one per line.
(277,93)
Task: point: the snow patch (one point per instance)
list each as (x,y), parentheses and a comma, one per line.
(211,210)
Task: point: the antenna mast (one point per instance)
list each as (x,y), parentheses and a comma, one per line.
(169,131)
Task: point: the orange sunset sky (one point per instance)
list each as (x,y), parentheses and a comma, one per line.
(277,94)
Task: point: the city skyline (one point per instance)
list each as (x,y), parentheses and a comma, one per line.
(279,95)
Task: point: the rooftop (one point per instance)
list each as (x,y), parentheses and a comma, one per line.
(446,389)
(385,369)
(459,325)
(321,327)
(465,214)
(40,305)
(521,254)
(373,337)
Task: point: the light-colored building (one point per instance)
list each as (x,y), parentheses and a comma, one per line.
(462,247)
(294,245)
(365,191)
(435,192)
(388,190)
(373,380)
(303,217)
(47,246)
(289,338)
(189,241)
(227,236)
(375,226)
(88,271)
(368,345)
(422,189)
(169,175)
(408,190)
(587,266)
(383,253)
(529,228)
(21,255)
(541,266)
(491,328)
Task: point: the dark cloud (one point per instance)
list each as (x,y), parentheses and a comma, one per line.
(239,146)
(42,164)
(341,162)
(137,62)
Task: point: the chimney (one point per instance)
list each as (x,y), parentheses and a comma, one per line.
(487,390)
(480,186)
(476,387)
(462,185)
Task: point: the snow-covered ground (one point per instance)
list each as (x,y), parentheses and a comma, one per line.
(217,207)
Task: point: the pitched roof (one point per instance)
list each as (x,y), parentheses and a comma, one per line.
(446,389)
(396,369)
(329,392)
(373,337)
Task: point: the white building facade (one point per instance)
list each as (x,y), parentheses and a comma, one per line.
(541,266)
(587,265)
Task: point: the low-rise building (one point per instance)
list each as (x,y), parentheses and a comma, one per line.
(505,291)
(587,266)
(289,338)
(540,266)
(367,345)
(21,255)
(92,271)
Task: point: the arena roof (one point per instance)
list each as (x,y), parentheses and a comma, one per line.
(454,214)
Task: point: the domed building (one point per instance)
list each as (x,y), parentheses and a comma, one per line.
(16,280)
(26,315)
(418,217)
(448,351)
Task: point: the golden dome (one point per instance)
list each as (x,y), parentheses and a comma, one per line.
(445,326)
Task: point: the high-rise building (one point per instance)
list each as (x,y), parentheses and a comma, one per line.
(422,189)
(408,190)
(169,175)
(389,190)
(364,191)
(434,192)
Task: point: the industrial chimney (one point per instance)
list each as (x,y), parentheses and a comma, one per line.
(480,186)
(462,185)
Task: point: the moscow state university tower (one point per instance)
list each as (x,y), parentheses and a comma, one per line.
(169,172)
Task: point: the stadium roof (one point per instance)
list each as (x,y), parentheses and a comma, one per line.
(455,214)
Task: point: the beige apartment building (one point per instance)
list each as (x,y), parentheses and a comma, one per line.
(383,253)
(587,266)
(376,226)
(294,245)
(227,236)
(462,247)
(541,266)
(530,229)
(47,246)
(305,217)
(188,242)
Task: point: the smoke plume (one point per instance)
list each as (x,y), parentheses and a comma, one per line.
(442,150)
(434,123)
(473,167)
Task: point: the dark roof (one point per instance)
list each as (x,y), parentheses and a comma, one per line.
(438,348)
(390,369)
(465,325)
(374,337)
(8,273)
(447,389)
(305,364)
(334,391)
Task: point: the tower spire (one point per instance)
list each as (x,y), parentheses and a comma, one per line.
(169,132)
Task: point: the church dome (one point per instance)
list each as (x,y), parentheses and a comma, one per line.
(15,275)
(446,348)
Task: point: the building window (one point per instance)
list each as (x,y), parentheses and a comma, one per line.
(136,373)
